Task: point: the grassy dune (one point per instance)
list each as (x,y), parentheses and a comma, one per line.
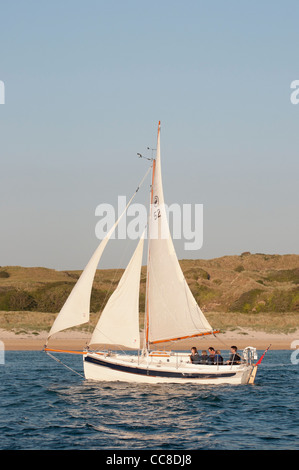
(256,291)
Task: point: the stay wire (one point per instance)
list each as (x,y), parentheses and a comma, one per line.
(65,365)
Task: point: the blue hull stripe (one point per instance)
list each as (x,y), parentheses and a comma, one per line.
(156,373)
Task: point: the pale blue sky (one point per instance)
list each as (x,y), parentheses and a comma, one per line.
(85,86)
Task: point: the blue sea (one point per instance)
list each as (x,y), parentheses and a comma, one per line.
(45,406)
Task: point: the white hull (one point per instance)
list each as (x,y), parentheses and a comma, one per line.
(173,368)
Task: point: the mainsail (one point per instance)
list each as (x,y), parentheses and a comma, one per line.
(119,321)
(172,311)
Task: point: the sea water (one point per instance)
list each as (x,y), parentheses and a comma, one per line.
(45,406)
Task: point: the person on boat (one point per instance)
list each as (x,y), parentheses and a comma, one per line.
(204,357)
(218,359)
(234,357)
(211,357)
(194,357)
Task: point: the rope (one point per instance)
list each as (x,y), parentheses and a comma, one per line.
(223,342)
(68,367)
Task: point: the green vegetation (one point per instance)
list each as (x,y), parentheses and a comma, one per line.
(16,300)
(4,274)
(282,301)
(246,302)
(239,268)
(277,300)
(250,290)
(203,294)
(197,273)
(284,275)
(49,298)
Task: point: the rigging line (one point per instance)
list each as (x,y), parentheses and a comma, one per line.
(62,363)
(221,341)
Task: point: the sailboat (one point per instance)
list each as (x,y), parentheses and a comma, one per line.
(171,313)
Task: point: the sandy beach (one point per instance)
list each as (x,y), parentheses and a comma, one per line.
(73,340)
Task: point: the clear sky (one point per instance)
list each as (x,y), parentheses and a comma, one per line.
(85,86)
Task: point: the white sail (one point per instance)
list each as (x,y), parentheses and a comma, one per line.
(173,312)
(76,309)
(119,321)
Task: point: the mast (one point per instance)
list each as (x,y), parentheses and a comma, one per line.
(147,271)
(148,254)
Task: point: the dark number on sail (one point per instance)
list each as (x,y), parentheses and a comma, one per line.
(157,214)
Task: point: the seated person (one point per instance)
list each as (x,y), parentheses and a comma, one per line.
(194,357)
(234,357)
(204,357)
(218,359)
(211,357)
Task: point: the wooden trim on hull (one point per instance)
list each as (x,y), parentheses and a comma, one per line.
(179,338)
(157,373)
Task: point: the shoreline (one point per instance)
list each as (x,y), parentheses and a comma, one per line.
(73,340)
